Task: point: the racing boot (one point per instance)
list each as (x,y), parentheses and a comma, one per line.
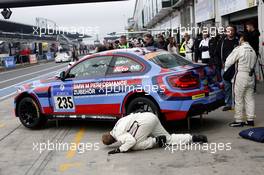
(250,123)
(227,108)
(199,139)
(161,141)
(236,124)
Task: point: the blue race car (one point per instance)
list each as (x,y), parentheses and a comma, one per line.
(112,84)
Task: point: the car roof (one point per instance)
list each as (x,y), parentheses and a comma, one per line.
(142,52)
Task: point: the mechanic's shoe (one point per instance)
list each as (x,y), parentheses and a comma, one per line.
(199,139)
(250,123)
(161,141)
(227,108)
(236,124)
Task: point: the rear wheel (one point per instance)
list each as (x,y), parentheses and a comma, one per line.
(29,114)
(142,104)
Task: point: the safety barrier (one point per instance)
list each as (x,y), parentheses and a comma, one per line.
(9,62)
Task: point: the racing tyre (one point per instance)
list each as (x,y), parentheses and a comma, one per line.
(142,104)
(29,114)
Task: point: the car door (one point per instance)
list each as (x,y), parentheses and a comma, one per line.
(80,93)
(123,76)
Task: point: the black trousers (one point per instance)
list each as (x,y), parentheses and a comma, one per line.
(205,61)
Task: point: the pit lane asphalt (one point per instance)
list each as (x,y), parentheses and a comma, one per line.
(10,80)
(18,156)
(14,76)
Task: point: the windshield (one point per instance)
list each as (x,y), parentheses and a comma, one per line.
(167,60)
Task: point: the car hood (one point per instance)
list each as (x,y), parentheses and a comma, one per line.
(37,83)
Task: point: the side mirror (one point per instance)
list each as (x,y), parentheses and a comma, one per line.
(62,76)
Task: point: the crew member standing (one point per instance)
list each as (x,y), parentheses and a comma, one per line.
(149,41)
(188,43)
(123,43)
(172,46)
(213,42)
(75,54)
(224,48)
(204,47)
(197,52)
(182,50)
(254,35)
(245,58)
(161,42)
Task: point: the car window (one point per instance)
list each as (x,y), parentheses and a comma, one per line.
(91,68)
(125,65)
(167,60)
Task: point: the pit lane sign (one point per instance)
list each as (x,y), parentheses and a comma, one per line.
(9,62)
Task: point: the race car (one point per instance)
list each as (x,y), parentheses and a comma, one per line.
(63,57)
(112,84)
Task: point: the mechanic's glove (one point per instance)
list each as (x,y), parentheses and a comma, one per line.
(199,139)
(161,141)
(117,150)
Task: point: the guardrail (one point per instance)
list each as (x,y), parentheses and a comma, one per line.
(9,62)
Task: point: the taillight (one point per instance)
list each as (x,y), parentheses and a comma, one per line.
(185,81)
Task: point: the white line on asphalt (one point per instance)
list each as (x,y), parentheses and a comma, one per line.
(7,96)
(29,74)
(9,71)
(17,84)
(13,93)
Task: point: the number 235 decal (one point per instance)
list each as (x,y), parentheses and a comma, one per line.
(64,102)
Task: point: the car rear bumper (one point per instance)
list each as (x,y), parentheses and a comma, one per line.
(195,109)
(198,109)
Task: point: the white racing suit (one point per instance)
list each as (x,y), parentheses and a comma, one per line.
(243,84)
(188,49)
(138,132)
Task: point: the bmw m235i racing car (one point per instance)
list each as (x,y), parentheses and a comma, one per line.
(112,84)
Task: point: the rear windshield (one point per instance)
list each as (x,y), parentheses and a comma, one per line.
(167,60)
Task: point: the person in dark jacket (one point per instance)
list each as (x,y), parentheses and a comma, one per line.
(149,41)
(254,35)
(162,44)
(213,42)
(253,41)
(212,48)
(75,54)
(223,50)
(197,52)
(101,48)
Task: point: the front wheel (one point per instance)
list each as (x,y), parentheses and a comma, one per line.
(29,114)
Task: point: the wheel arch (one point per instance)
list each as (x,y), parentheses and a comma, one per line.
(129,97)
(24,95)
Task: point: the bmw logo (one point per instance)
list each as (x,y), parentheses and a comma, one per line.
(62,87)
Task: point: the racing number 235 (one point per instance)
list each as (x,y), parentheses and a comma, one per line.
(64,102)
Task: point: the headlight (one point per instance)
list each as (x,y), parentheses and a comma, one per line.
(19,90)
